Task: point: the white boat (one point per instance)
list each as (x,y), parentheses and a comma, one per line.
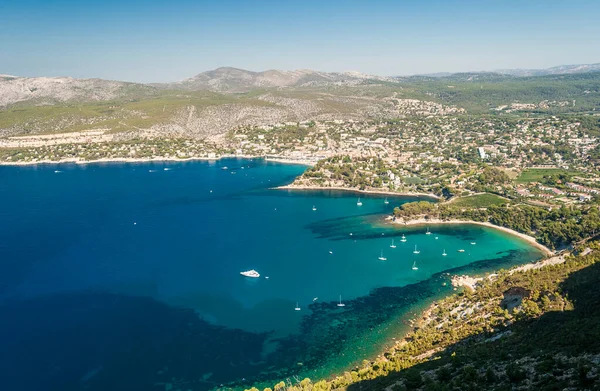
(427,233)
(166,169)
(250,273)
(416,251)
(461,251)
(358,203)
(297,308)
(392,245)
(414,266)
(386,201)
(403,238)
(224,168)
(314,207)
(315,299)
(444,253)
(473,243)
(330,252)
(436,238)
(381,257)
(340,304)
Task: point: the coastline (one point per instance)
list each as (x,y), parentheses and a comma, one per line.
(527,238)
(339,188)
(156,159)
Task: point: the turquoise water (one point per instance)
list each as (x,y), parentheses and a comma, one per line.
(126,276)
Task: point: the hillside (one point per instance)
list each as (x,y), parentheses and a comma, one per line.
(228,79)
(54,90)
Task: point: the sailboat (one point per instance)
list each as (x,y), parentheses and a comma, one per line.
(358,203)
(340,304)
(314,207)
(414,266)
(416,251)
(296,308)
(381,257)
(427,233)
(386,201)
(392,245)
(403,238)
(444,253)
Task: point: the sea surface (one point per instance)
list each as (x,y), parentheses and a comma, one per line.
(127,276)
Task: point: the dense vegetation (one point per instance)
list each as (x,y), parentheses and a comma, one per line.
(479,201)
(478,93)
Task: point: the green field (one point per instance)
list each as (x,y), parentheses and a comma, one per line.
(478,201)
(537,174)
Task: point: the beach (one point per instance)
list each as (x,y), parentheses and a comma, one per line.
(523,236)
(156,159)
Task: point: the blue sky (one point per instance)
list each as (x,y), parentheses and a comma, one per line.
(154,41)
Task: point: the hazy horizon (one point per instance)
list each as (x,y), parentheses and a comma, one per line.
(153,41)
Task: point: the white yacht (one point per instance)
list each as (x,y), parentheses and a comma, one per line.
(444,253)
(473,243)
(340,304)
(392,245)
(403,238)
(386,201)
(358,203)
(427,233)
(250,273)
(416,251)
(297,308)
(461,251)
(381,257)
(314,208)
(414,266)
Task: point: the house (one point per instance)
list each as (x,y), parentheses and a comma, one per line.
(523,192)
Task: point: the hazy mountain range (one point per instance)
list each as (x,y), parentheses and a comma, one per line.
(49,90)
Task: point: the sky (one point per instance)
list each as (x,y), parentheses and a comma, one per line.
(170,40)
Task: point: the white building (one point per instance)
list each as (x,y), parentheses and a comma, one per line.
(482,153)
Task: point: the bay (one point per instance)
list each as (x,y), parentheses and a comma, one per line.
(127,276)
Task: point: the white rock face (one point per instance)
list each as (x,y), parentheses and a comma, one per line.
(55,89)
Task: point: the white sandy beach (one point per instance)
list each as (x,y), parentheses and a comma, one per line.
(525,237)
(156,159)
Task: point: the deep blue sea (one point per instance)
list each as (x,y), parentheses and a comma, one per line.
(127,276)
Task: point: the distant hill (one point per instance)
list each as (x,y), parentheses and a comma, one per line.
(228,79)
(559,70)
(51,90)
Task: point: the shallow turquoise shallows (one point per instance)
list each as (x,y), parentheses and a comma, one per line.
(127,276)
